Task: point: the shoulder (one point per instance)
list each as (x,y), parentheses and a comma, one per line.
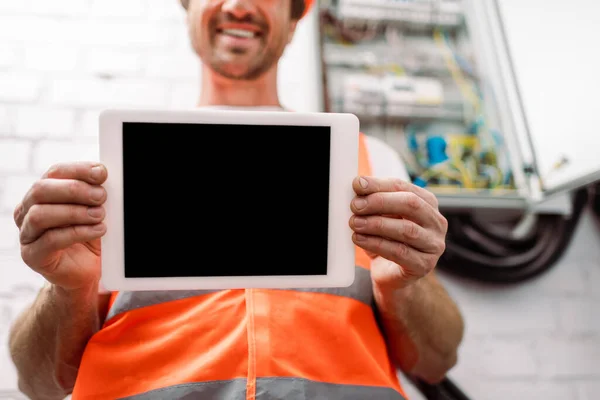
(385,160)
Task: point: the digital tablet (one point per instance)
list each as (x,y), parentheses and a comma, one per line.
(219,199)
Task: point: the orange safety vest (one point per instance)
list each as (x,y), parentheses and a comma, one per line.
(243,344)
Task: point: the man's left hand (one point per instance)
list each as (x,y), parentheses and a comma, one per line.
(401,223)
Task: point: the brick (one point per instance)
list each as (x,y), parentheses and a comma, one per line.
(591,272)
(174,65)
(179,36)
(566,278)
(9,55)
(14,187)
(85,32)
(8,372)
(16,277)
(498,358)
(11,27)
(48,153)
(584,245)
(9,235)
(579,316)
(16,7)
(14,155)
(574,359)
(51,58)
(519,390)
(129,34)
(5,121)
(589,390)
(113,62)
(184,96)
(161,10)
(69,8)
(97,93)
(495,310)
(88,124)
(44,121)
(118,8)
(18,87)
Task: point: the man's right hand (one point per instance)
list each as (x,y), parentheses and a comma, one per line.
(60,221)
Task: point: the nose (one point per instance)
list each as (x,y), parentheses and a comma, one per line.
(238,8)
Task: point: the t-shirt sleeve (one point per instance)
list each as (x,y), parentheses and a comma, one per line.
(385,161)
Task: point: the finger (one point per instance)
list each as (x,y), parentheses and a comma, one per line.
(18,214)
(401,204)
(401,230)
(366,185)
(414,263)
(60,191)
(90,172)
(37,253)
(42,217)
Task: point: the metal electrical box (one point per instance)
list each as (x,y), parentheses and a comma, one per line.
(490,103)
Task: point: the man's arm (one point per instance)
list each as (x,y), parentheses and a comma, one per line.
(60,221)
(423,328)
(48,339)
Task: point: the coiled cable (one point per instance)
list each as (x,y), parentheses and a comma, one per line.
(491,254)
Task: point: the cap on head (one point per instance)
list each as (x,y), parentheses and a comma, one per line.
(307,5)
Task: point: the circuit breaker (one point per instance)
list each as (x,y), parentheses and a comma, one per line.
(490,103)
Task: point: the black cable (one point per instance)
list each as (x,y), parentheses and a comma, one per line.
(504,235)
(445,390)
(474,252)
(595,202)
(464,231)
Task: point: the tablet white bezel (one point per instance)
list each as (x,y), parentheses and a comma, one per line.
(343,168)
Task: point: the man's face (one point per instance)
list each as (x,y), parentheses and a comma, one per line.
(240,39)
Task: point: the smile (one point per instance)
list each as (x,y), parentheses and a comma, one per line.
(240,33)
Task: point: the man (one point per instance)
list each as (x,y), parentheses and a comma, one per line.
(236,344)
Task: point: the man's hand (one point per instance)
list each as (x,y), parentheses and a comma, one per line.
(400,222)
(60,224)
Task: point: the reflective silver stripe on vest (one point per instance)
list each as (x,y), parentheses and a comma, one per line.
(269,389)
(302,389)
(361,290)
(127,301)
(226,390)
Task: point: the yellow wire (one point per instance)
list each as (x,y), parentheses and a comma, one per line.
(467,91)
(455,71)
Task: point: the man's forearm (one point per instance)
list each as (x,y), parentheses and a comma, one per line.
(47,340)
(423,328)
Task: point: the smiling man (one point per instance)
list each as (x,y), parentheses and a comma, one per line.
(344,344)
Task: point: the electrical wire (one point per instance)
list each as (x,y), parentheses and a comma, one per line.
(445,390)
(477,252)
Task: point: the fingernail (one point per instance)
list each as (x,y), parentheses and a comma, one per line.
(96,173)
(360,222)
(363,182)
(97,194)
(98,228)
(360,238)
(95,212)
(360,203)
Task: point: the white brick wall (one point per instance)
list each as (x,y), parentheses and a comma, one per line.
(537,340)
(62,61)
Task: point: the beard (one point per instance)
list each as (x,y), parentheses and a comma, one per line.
(241,59)
(240,63)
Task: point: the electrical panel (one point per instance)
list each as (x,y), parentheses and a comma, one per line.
(436,80)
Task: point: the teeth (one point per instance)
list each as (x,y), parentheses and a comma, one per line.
(239,33)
